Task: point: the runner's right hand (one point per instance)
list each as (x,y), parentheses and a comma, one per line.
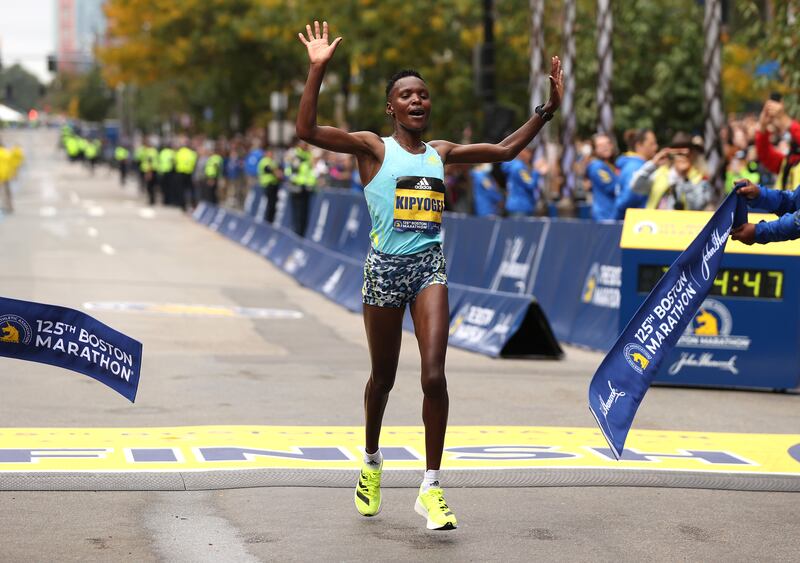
(319,51)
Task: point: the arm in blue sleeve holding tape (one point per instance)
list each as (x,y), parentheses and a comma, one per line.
(778,202)
(783,203)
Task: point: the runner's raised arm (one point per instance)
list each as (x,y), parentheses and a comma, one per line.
(320,53)
(511,146)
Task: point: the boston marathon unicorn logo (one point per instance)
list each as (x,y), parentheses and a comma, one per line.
(591,283)
(637,357)
(10,334)
(14,330)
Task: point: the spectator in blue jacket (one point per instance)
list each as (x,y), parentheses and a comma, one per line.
(522,185)
(783,203)
(645,147)
(628,137)
(486,194)
(602,176)
(251,163)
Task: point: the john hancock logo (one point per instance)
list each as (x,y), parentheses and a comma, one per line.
(637,357)
(14,330)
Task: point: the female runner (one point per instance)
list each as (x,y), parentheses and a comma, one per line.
(405,266)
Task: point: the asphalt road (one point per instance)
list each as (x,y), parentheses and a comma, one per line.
(77,238)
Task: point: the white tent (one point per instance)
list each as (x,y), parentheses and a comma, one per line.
(9,115)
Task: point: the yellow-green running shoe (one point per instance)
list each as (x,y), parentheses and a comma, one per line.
(433,507)
(368,490)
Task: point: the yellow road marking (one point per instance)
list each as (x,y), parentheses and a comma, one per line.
(204,448)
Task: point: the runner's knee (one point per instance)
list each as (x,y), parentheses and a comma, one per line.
(381,384)
(434,384)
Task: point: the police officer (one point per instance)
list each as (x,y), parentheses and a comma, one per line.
(72,146)
(92,153)
(212,170)
(269,179)
(121,155)
(299,171)
(148,166)
(166,174)
(185,162)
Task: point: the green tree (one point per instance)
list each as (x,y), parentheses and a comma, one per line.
(95,99)
(24,88)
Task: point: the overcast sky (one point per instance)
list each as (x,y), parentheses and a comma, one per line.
(27,34)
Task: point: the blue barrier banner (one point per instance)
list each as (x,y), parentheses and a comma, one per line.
(621,381)
(339,220)
(467,247)
(489,322)
(70,339)
(483,321)
(579,280)
(510,264)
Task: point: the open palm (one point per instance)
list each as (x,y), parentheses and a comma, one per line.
(556,82)
(319,51)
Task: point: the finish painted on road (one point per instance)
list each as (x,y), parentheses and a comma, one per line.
(225,448)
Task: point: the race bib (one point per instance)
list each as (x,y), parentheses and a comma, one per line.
(418,204)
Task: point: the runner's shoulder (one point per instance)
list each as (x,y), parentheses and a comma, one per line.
(372,142)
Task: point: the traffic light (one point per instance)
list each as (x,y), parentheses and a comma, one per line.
(52,63)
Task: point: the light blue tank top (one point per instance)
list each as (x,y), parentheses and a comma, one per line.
(405,201)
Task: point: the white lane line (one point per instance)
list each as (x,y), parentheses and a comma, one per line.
(96,211)
(92,232)
(108,249)
(147,213)
(48,211)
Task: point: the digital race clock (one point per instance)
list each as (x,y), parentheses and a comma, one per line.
(730,282)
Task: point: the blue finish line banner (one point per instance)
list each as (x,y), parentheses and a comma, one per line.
(69,339)
(619,385)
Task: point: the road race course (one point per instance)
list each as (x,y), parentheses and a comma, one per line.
(244,440)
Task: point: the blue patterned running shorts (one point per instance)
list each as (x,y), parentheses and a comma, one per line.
(393,280)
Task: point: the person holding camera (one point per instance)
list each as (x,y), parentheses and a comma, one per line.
(670,180)
(775,121)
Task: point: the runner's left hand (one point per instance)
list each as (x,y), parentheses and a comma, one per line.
(556,85)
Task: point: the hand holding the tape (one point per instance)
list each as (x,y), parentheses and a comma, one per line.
(747,189)
(745,233)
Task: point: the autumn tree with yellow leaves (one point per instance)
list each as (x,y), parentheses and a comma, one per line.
(219,60)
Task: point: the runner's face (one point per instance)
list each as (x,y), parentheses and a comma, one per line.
(410,103)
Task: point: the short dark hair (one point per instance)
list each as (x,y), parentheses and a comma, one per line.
(397,76)
(639,137)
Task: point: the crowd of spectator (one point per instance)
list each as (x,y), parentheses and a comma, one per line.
(764,149)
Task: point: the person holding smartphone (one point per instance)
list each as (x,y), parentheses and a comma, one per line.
(775,121)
